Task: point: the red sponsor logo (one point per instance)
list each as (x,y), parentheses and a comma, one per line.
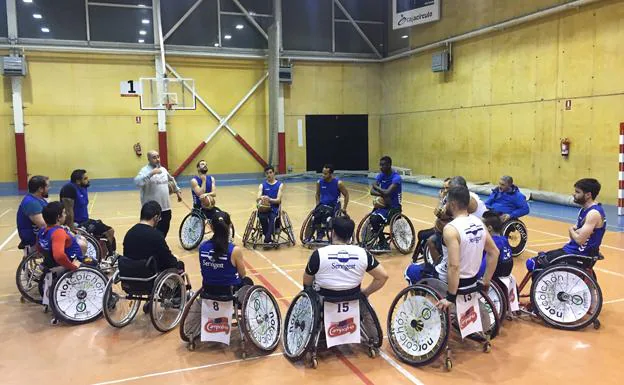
(217,325)
(468,317)
(340,328)
(512,295)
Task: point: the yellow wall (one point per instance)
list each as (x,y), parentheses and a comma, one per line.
(501,108)
(76,118)
(326,88)
(460,16)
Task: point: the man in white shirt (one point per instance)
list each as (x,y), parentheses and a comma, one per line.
(465,238)
(153,179)
(337,270)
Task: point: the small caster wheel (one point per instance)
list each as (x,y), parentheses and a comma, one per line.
(487,347)
(596,324)
(46,309)
(372,353)
(448,364)
(54,322)
(191,346)
(314,363)
(244,355)
(22,300)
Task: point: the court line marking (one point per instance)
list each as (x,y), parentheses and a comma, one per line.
(547,244)
(387,358)
(613,301)
(93,203)
(14,233)
(6,211)
(175,371)
(562,237)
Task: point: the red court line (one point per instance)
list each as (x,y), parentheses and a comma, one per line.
(338,354)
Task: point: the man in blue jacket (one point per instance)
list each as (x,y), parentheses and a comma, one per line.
(507,200)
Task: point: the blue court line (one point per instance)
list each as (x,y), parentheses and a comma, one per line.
(538,209)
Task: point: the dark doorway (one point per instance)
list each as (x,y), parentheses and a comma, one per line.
(341,140)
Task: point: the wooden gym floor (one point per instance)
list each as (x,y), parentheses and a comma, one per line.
(34,352)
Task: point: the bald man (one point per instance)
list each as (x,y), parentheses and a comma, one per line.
(153,180)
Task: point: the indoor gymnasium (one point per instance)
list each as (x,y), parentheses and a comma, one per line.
(311,191)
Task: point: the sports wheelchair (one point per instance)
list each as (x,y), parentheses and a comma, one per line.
(282,235)
(305,329)
(165,294)
(75,297)
(418,331)
(517,233)
(401,233)
(97,250)
(254,311)
(564,292)
(309,235)
(193,229)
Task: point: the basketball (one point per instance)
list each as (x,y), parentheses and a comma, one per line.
(207,202)
(264,205)
(379,203)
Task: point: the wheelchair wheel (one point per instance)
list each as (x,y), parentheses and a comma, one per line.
(77,296)
(417,331)
(288,228)
(168,300)
(300,326)
(516,231)
(365,235)
(498,294)
(248,239)
(262,322)
(118,309)
(566,297)
(28,276)
(190,324)
(403,235)
(489,315)
(307,228)
(192,230)
(369,323)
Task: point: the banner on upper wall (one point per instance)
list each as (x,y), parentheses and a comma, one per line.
(407,13)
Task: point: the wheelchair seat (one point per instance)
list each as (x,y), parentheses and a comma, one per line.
(137,275)
(583,261)
(221,297)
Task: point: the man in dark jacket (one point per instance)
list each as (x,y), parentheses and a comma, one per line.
(507,200)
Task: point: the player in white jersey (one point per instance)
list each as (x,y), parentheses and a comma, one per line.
(465,238)
(338,270)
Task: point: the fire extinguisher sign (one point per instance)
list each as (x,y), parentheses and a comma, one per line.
(568,105)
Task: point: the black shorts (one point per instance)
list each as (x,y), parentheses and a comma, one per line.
(95,227)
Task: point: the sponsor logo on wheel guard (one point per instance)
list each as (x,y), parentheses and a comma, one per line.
(468,317)
(217,325)
(340,328)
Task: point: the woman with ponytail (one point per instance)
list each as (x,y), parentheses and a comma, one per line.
(222,265)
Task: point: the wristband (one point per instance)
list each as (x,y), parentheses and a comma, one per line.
(451,297)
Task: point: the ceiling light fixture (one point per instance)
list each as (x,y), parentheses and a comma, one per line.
(141,41)
(145,21)
(239,26)
(227,37)
(404,37)
(45,29)
(37,15)
(142,32)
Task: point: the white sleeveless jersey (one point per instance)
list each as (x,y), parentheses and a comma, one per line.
(480,206)
(472,235)
(341,267)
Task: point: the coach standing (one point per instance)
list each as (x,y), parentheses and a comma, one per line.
(153,179)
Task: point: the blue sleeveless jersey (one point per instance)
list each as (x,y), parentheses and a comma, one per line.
(196,201)
(45,243)
(592,245)
(217,270)
(25,228)
(329,192)
(271,191)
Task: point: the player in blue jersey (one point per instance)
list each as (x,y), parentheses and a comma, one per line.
(387,186)
(202,186)
(328,190)
(268,202)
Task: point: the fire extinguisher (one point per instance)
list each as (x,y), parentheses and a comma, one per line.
(565,147)
(137,149)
